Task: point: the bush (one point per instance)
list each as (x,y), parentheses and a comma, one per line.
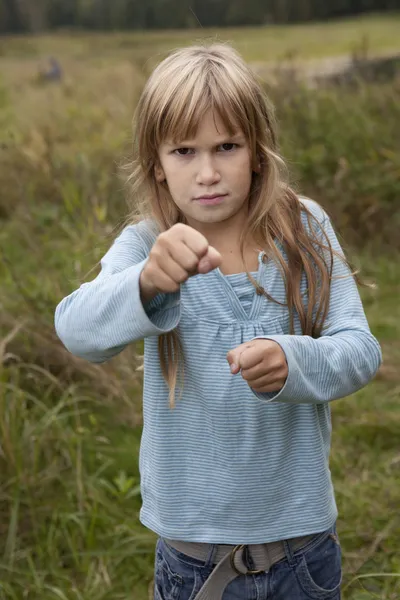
(343,146)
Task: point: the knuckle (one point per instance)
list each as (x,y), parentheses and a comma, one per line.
(278,364)
(202,247)
(177,230)
(181,277)
(155,252)
(199,243)
(190,265)
(161,238)
(149,269)
(244,363)
(171,285)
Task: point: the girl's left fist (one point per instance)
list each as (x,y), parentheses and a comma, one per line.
(262,363)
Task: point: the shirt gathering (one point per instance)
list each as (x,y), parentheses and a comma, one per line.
(227,465)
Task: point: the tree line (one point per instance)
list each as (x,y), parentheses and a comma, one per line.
(18,16)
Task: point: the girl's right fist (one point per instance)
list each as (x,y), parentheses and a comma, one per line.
(177,254)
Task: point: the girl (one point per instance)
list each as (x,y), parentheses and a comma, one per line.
(248,309)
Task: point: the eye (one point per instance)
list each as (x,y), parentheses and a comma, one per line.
(228,146)
(182,151)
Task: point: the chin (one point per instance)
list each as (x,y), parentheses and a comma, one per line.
(211,219)
(212,216)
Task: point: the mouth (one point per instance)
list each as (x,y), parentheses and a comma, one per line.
(210,198)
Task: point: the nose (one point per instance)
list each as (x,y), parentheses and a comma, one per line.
(207,173)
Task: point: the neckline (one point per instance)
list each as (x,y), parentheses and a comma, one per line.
(260,262)
(232,297)
(241,274)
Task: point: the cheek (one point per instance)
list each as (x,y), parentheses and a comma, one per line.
(175,178)
(243,177)
(177,188)
(242,171)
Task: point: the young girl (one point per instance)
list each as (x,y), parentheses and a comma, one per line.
(249,310)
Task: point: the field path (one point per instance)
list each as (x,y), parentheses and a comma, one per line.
(313,69)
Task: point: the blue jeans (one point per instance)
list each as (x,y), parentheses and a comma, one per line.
(313,572)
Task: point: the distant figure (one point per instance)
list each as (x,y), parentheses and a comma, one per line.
(54,71)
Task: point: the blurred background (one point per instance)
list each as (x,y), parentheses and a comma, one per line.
(71,72)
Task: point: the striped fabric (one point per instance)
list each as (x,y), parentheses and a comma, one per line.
(227,465)
(243,288)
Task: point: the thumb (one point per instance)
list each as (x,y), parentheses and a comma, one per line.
(209,261)
(233,358)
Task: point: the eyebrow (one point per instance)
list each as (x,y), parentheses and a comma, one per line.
(223,140)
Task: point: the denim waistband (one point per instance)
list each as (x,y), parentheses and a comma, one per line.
(232,561)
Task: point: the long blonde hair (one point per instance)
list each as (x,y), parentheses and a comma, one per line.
(179,92)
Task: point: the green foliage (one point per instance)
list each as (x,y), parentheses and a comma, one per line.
(4,101)
(344,147)
(6,112)
(68,509)
(70,431)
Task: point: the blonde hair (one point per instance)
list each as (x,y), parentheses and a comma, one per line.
(179,92)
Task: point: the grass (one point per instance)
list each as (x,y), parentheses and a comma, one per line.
(70,431)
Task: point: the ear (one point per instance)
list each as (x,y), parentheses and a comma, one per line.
(159,173)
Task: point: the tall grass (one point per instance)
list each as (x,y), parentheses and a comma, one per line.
(70,431)
(68,506)
(344,146)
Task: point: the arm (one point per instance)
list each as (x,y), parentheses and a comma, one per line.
(346,356)
(103,316)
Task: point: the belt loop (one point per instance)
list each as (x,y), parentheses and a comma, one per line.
(288,552)
(210,557)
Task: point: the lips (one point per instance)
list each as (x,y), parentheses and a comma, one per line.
(209,196)
(211,200)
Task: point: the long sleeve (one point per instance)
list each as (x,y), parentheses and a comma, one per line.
(340,362)
(98,320)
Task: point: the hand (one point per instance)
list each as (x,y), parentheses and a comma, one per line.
(263,364)
(177,254)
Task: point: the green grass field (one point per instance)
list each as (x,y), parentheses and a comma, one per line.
(70,431)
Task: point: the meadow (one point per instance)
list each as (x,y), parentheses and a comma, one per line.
(70,430)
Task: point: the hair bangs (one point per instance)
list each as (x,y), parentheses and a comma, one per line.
(180,118)
(231,105)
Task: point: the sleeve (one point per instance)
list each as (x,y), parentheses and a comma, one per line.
(340,362)
(98,320)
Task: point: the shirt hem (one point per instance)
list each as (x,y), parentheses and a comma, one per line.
(214,536)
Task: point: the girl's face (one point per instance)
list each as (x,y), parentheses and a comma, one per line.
(213,163)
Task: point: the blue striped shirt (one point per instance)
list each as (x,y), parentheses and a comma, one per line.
(227,465)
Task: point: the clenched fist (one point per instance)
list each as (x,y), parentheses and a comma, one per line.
(262,363)
(176,255)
